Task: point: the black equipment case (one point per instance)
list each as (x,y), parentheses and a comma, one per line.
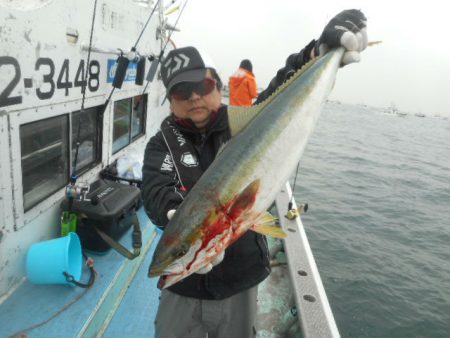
(108,209)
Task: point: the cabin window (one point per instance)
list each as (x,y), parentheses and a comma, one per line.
(87,130)
(45,158)
(129,121)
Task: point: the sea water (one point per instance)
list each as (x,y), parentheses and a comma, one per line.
(378,190)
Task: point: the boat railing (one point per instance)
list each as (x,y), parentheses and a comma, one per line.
(315,316)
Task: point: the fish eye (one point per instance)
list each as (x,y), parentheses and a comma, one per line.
(181,253)
(183,250)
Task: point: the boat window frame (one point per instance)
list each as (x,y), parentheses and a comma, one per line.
(65,141)
(131,139)
(6,200)
(98,142)
(20,218)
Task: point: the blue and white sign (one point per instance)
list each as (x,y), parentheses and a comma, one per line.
(112,66)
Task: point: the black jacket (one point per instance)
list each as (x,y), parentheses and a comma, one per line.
(246,262)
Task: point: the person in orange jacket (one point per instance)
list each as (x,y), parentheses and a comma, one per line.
(242,85)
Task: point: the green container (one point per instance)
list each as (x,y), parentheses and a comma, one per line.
(68,223)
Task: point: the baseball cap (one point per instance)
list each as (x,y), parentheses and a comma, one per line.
(186,64)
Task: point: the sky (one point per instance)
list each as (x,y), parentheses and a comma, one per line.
(410,69)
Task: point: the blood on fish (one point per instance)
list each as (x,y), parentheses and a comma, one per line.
(215,223)
(245,200)
(170,240)
(222,217)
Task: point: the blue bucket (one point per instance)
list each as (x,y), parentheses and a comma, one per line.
(47,261)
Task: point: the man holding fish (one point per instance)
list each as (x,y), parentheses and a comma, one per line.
(206,196)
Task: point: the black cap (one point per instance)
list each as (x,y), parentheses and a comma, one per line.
(247,65)
(186,64)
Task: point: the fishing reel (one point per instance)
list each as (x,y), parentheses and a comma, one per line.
(74,192)
(77,191)
(296,212)
(123,62)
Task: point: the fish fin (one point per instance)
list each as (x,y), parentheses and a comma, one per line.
(266,225)
(271,231)
(240,117)
(267,219)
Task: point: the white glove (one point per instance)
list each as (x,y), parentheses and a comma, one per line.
(212,264)
(347,29)
(170,214)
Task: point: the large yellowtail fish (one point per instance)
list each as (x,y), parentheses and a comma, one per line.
(232,196)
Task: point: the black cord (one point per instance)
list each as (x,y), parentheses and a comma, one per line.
(88,56)
(75,160)
(293,188)
(175,25)
(108,99)
(158,60)
(74,163)
(105,105)
(145,26)
(22,333)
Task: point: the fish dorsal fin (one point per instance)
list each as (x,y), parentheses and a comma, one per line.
(265,224)
(239,117)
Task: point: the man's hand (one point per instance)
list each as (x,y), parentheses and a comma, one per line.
(347,29)
(212,264)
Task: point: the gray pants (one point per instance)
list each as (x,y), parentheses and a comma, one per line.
(185,317)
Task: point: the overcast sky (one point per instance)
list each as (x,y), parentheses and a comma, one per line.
(410,69)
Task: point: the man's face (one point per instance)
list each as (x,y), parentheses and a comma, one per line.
(197,107)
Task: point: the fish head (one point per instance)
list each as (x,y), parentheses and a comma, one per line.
(186,247)
(172,254)
(174,263)
(182,253)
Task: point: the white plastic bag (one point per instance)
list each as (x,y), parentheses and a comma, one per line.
(130,166)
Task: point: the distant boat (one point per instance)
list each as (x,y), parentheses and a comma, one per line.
(419,115)
(392,109)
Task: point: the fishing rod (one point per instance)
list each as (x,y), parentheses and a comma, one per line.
(156,61)
(145,26)
(123,62)
(295,212)
(79,191)
(72,190)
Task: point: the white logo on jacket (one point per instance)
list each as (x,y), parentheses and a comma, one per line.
(167,164)
(189,160)
(180,138)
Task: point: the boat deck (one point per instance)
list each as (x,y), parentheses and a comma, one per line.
(277,313)
(123,301)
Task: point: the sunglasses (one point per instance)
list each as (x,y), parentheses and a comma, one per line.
(184,90)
